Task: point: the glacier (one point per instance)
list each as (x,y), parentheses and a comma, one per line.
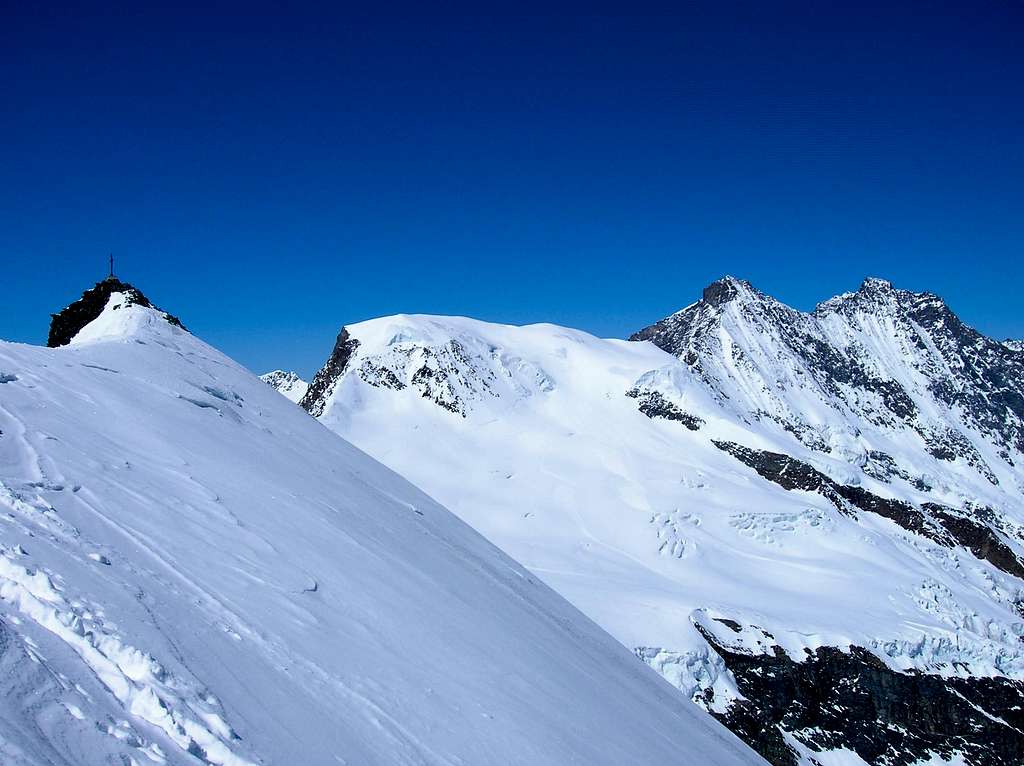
(605,467)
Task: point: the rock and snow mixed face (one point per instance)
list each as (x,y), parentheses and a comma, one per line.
(844,487)
(193,571)
(288,384)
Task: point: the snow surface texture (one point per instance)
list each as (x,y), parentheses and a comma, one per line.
(288,383)
(193,571)
(593,462)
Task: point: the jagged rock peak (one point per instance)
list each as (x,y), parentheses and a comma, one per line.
(275,377)
(728,289)
(726,293)
(876,285)
(68,322)
(876,293)
(798,360)
(723,290)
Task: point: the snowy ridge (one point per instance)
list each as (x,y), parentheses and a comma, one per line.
(603,471)
(193,571)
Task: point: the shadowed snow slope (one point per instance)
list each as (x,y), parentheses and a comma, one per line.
(766,481)
(194,571)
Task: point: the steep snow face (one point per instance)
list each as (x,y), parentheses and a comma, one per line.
(193,571)
(782,477)
(288,384)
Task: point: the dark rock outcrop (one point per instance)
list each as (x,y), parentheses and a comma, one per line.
(721,291)
(66,324)
(324,381)
(836,699)
(654,405)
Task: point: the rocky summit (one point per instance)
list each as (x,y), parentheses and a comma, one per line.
(71,320)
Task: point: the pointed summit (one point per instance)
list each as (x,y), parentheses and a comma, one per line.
(876,285)
(68,322)
(874,294)
(741,298)
(723,290)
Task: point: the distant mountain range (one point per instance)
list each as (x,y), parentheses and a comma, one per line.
(812,524)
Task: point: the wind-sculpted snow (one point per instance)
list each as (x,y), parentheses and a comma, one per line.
(193,571)
(872,499)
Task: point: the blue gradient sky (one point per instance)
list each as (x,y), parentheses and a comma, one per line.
(269,175)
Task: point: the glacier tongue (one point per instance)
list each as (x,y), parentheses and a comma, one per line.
(603,471)
(194,571)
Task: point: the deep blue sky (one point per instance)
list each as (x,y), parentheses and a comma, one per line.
(269,174)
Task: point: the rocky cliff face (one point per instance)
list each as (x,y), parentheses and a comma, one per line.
(327,377)
(832,699)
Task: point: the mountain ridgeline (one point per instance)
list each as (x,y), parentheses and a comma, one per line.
(193,572)
(832,356)
(811,523)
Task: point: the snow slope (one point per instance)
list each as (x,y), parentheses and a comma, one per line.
(602,466)
(194,571)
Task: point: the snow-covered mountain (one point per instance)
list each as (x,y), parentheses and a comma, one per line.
(193,571)
(811,524)
(288,383)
